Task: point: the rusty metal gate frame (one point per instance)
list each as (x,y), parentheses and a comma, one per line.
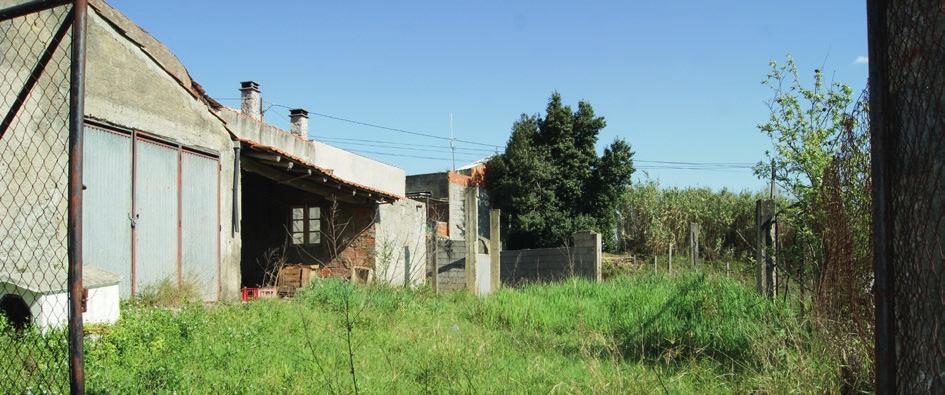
(77,21)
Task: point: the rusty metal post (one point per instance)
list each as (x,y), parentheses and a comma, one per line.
(74,222)
(881,145)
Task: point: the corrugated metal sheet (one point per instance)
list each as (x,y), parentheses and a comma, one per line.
(156,203)
(200,223)
(106,211)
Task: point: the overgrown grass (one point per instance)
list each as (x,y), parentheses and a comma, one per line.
(692,333)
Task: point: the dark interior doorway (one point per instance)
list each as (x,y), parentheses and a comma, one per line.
(16,311)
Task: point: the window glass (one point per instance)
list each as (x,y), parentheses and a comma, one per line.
(306,225)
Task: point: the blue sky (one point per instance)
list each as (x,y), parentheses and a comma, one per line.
(678,80)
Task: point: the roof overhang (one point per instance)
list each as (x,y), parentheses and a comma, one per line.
(299,173)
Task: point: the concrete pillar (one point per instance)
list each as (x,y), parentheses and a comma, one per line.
(472,238)
(431,262)
(694,243)
(250,100)
(495,247)
(298,118)
(588,255)
(764,243)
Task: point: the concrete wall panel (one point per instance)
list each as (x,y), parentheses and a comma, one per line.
(401,243)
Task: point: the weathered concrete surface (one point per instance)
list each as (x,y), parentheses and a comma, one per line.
(581,259)
(33,156)
(401,243)
(126,87)
(452,187)
(342,164)
(450,265)
(433,183)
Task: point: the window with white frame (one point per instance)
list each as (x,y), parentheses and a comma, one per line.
(306,225)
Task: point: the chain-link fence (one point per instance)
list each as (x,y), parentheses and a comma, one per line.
(843,304)
(907,99)
(37,106)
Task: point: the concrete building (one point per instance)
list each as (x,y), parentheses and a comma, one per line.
(445,195)
(181,188)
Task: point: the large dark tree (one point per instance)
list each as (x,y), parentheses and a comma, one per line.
(550,182)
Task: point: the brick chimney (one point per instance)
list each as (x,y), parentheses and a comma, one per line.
(299,119)
(250,100)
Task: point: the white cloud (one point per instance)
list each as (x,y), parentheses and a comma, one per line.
(861,60)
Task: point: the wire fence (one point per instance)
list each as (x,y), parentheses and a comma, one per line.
(907,79)
(36,53)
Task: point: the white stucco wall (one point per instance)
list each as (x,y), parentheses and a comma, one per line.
(401,227)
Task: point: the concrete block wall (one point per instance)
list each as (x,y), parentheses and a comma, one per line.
(449,265)
(581,259)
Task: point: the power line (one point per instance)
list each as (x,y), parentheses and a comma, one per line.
(343,143)
(679,165)
(333,138)
(733,164)
(399,155)
(372,125)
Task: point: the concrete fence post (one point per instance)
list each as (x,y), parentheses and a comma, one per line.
(694,243)
(472,238)
(495,247)
(588,254)
(764,258)
(432,259)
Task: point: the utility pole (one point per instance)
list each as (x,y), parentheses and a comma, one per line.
(452,145)
(773,189)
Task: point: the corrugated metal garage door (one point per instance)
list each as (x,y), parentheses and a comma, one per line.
(106,212)
(156,203)
(199,223)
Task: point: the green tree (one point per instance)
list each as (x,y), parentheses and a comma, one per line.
(550,182)
(805,126)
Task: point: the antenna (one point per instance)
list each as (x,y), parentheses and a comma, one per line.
(452,147)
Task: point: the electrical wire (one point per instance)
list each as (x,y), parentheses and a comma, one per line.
(395,143)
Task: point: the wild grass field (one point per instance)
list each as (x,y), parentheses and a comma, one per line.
(639,333)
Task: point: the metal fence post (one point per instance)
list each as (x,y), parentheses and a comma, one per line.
(74,222)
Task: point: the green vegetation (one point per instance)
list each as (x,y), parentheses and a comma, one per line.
(639,333)
(655,217)
(550,182)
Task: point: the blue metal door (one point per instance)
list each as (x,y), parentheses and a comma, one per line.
(200,222)
(106,209)
(156,203)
